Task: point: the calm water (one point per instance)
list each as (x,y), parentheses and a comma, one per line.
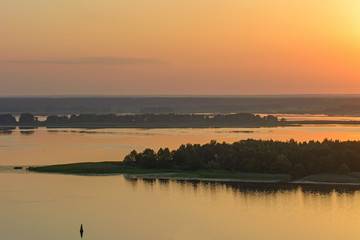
(50,206)
(51,146)
(41,206)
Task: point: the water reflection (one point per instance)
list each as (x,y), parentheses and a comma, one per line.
(7,130)
(27,130)
(149,181)
(114,207)
(132,180)
(252,188)
(68,145)
(236,131)
(137,132)
(163,181)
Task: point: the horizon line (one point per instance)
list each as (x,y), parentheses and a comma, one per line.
(174,95)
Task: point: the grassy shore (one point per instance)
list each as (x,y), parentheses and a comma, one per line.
(103,168)
(353,178)
(94,168)
(171,125)
(118,168)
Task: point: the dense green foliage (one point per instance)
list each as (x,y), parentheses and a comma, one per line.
(295,158)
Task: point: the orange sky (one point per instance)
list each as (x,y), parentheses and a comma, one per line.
(179,47)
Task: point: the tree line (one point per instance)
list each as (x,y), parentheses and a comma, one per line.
(159,118)
(257,156)
(24,119)
(30,119)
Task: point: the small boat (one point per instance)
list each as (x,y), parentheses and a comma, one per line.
(81,231)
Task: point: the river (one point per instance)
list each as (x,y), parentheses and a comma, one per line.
(52,206)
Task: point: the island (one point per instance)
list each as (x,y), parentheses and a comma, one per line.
(329,161)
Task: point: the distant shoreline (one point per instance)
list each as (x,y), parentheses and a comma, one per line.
(185,125)
(163,120)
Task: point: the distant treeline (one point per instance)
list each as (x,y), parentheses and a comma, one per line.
(24,119)
(98,119)
(160,118)
(260,156)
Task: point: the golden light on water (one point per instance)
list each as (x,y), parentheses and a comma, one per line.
(47,206)
(57,146)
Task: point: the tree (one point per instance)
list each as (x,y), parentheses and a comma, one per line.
(164,158)
(7,119)
(26,119)
(298,170)
(148,159)
(263,156)
(344,169)
(281,165)
(130,159)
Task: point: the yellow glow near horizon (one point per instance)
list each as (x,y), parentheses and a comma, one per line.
(217,47)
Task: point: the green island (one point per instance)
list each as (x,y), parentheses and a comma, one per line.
(248,160)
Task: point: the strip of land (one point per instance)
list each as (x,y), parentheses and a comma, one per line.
(105,168)
(328,161)
(108,168)
(169,120)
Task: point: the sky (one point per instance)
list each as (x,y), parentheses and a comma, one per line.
(182,47)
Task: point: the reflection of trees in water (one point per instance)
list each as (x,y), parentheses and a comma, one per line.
(6,130)
(57,131)
(194,184)
(254,188)
(163,181)
(133,181)
(275,188)
(23,130)
(149,181)
(27,130)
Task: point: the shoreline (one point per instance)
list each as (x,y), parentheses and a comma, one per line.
(183,126)
(100,169)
